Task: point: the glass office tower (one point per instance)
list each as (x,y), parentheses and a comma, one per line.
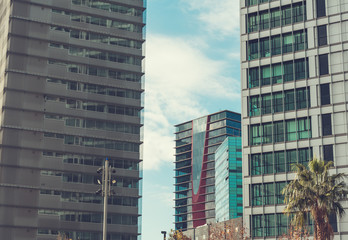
(228,180)
(71,86)
(294,100)
(196,142)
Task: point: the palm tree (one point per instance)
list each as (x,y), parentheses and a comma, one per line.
(315,192)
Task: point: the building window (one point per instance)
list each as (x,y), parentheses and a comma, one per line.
(256,194)
(254,106)
(254,80)
(268,191)
(270,225)
(300,69)
(255,134)
(275,17)
(277,73)
(267,163)
(294,130)
(255,164)
(302,98)
(265,75)
(279,197)
(276,45)
(326,124)
(266,105)
(264,20)
(322,35)
(279,162)
(253,22)
(253,49)
(289,100)
(277,102)
(291,130)
(278,131)
(287,42)
(299,40)
(328,153)
(323,64)
(282,224)
(257,225)
(288,69)
(251,2)
(303,128)
(325,94)
(321,9)
(298,12)
(265,47)
(286,15)
(267,133)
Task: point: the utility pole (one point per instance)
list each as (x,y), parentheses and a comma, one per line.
(106,183)
(106,191)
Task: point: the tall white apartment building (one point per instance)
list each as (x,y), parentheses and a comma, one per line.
(294,63)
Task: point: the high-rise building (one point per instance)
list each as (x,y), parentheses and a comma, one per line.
(294,100)
(71,95)
(228,180)
(196,142)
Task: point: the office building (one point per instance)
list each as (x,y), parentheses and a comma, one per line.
(196,142)
(228,180)
(294,100)
(71,87)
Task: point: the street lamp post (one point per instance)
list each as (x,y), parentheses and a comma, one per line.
(106,191)
(164,235)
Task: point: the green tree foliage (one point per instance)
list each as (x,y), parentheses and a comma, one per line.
(317,192)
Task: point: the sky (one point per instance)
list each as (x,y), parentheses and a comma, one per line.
(192,69)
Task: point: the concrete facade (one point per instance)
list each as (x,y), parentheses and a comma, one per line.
(294,58)
(71,82)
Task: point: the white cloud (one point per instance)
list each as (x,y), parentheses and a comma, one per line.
(179,77)
(221,17)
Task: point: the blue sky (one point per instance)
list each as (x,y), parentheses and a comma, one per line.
(192,69)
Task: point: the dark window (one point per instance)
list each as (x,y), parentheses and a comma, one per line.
(277,102)
(264,20)
(299,40)
(302,98)
(264,47)
(253,49)
(322,35)
(325,94)
(254,77)
(251,2)
(275,17)
(326,124)
(265,75)
(276,45)
(328,153)
(300,69)
(252,22)
(298,12)
(321,11)
(286,15)
(287,42)
(289,100)
(323,64)
(277,74)
(266,104)
(278,131)
(254,107)
(288,70)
